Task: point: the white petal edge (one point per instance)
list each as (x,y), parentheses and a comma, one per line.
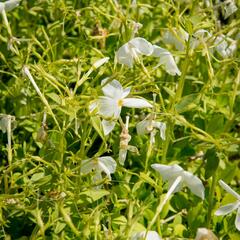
(136,103)
(237,220)
(112,89)
(168,172)
(194,184)
(108,126)
(226,209)
(229,189)
(142,46)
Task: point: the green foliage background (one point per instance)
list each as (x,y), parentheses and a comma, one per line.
(43,195)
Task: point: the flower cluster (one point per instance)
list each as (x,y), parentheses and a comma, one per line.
(131,50)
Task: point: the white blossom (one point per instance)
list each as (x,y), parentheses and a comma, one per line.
(110,105)
(204,233)
(99,165)
(166,59)
(170,173)
(149,124)
(131,50)
(229,208)
(176,37)
(9,5)
(225,46)
(151,235)
(229,8)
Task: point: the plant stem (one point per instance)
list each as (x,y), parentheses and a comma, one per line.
(210,199)
(162,203)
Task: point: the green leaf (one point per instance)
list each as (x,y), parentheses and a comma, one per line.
(95,194)
(212,162)
(121,220)
(187,103)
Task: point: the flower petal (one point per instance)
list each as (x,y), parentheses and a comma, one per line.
(93,105)
(136,103)
(124,55)
(229,189)
(87,166)
(11,4)
(194,184)
(112,89)
(151,235)
(108,107)
(141,45)
(166,59)
(237,220)
(176,37)
(107,165)
(122,156)
(100,62)
(108,126)
(162,127)
(168,172)
(144,127)
(224,210)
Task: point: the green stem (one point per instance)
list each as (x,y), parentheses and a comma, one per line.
(210,199)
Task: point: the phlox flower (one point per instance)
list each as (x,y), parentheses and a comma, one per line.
(225,46)
(166,59)
(176,37)
(9,5)
(204,233)
(99,164)
(229,208)
(170,173)
(229,7)
(151,235)
(149,124)
(110,105)
(131,51)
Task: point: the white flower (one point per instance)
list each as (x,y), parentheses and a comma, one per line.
(151,235)
(232,206)
(176,37)
(148,124)
(99,164)
(170,173)
(166,59)
(199,37)
(110,105)
(130,51)
(125,138)
(225,46)
(204,233)
(229,8)
(9,5)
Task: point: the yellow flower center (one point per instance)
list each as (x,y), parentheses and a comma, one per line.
(120,103)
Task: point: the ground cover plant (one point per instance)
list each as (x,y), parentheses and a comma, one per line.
(119,119)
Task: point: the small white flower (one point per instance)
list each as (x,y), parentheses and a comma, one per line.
(151,235)
(176,37)
(149,124)
(131,50)
(99,165)
(229,8)
(225,46)
(110,105)
(166,59)
(170,173)
(9,5)
(232,206)
(204,233)
(199,37)
(125,138)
